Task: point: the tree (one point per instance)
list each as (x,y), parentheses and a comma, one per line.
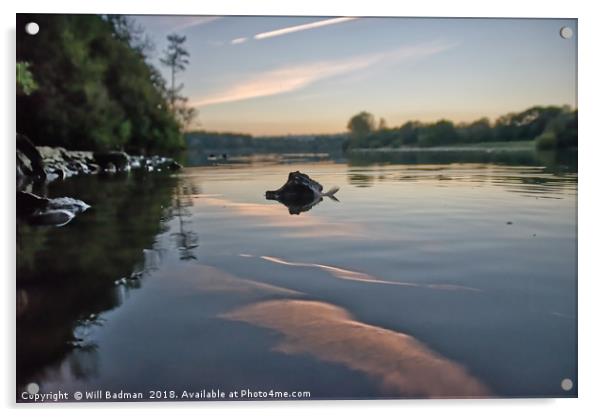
(185,115)
(176,59)
(408,133)
(128,31)
(527,124)
(361,124)
(442,132)
(560,132)
(95,91)
(477,131)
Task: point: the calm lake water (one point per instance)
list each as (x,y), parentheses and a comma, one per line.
(432,276)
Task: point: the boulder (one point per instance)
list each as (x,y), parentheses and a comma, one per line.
(300,193)
(29,160)
(120,160)
(67,203)
(48,211)
(51,155)
(297,186)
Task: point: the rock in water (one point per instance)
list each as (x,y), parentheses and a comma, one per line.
(29,160)
(67,203)
(300,193)
(297,186)
(48,211)
(52,218)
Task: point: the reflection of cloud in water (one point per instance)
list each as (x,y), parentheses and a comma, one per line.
(206,195)
(301,226)
(403,364)
(363,277)
(212,279)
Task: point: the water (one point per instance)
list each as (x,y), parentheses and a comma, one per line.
(429,278)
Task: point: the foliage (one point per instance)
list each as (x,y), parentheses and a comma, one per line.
(547,140)
(127,30)
(550,126)
(25,82)
(95,88)
(477,131)
(361,124)
(560,132)
(442,132)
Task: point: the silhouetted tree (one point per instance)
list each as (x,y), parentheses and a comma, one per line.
(361,124)
(175,57)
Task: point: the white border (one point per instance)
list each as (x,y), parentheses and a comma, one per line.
(590,136)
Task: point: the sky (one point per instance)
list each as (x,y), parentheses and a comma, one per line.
(309,75)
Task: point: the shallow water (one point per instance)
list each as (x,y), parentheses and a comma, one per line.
(425,279)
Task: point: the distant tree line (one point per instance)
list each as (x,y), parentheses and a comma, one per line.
(243,143)
(84,82)
(550,127)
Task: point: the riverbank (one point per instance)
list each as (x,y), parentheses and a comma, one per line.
(40,165)
(45,164)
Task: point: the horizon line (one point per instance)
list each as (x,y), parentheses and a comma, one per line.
(344,131)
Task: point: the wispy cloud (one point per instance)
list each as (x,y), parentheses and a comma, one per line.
(299,28)
(293,78)
(293,29)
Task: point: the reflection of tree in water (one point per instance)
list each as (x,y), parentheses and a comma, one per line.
(84,363)
(547,169)
(186,240)
(68,276)
(361,180)
(553,161)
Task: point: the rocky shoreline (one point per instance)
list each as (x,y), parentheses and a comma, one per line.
(43,164)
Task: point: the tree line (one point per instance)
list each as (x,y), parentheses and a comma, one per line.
(85,82)
(217,142)
(549,126)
